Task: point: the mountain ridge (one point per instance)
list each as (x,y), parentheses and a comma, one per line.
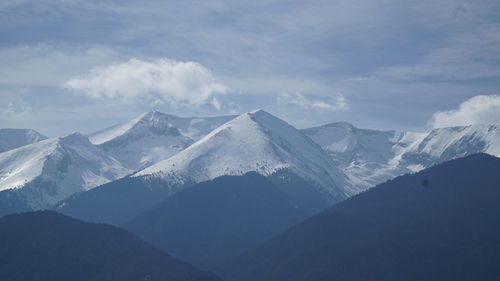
(47,171)
(254,141)
(152,137)
(370,157)
(438,224)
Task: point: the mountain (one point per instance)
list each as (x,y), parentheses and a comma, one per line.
(14,138)
(47,171)
(153,136)
(120,201)
(116,202)
(362,154)
(370,157)
(438,224)
(47,246)
(215,220)
(254,141)
(444,144)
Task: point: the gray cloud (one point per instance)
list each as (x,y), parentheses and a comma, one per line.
(466,56)
(395,62)
(45,65)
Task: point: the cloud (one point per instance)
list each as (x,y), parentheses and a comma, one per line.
(159,81)
(330,104)
(469,54)
(483,109)
(44,65)
(14,109)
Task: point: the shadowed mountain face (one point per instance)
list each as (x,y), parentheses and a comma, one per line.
(14,138)
(47,246)
(120,201)
(116,202)
(215,220)
(439,224)
(11,202)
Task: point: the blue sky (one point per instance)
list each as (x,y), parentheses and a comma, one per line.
(407,65)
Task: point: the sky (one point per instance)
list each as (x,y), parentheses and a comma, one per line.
(70,65)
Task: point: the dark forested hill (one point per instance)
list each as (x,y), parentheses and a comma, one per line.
(115,202)
(217,219)
(47,246)
(439,224)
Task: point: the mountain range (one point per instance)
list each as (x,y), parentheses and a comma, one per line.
(254,141)
(370,157)
(334,161)
(250,197)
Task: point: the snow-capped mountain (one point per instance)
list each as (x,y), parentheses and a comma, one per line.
(337,159)
(14,138)
(370,157)
(47,171)
(362,154)
(444,144)
(254,141)
(152,137)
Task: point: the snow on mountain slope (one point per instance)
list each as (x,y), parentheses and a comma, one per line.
(370,157)
(345,142)
(152,137)
(254,141)
(14,138)
(362,154)
(444,144)
(47,171)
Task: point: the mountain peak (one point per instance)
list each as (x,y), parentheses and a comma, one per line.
(47,171)
(156,115)
(258,112)
(264,119)
(153,136)
(254,141)
(262,115)
(341,124)
(73,138)
(152,119)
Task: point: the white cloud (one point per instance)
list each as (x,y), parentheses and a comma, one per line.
(483,109)
(159,81)
(330,104)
